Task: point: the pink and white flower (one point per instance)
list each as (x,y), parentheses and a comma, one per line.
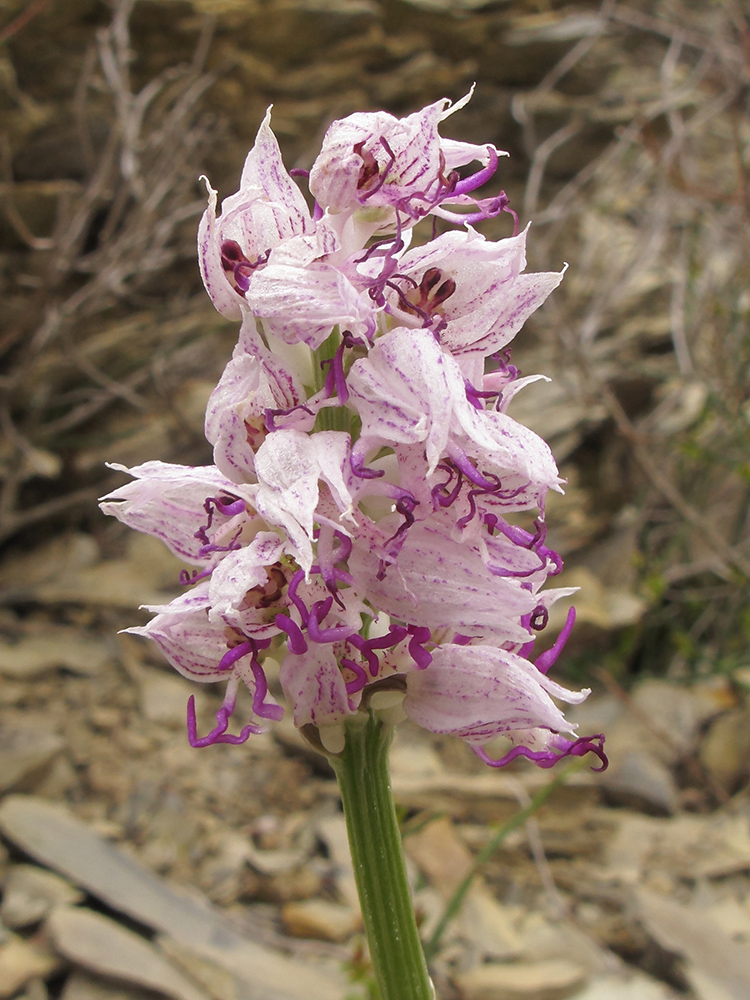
(357,527)
(409,391)
(489,295)
(381,167)
(268,209)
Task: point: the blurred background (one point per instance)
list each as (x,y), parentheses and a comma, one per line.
(628,129)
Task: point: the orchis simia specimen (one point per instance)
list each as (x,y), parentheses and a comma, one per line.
(373,526)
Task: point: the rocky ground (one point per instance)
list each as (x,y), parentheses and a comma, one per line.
(133,866)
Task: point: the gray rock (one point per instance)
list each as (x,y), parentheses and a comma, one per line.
(546,980)
(102,946)
(29,893)
(164,697)
(637,987)
(676,711)
(37,654)
(27,748)
(715,964)
(725,749)
(85,986)
(21,961)
(640,779)
(321,919)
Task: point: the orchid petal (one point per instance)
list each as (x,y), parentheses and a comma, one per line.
(315,686)
(168,501)
(267,209)
(480,692)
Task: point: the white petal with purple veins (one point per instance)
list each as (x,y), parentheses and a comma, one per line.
(479,692)
(314,685)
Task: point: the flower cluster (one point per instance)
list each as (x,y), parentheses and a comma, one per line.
(362,527)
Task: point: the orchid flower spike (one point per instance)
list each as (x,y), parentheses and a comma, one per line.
(371,534)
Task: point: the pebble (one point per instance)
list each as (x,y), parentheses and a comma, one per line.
(84,986)
(27,747)
(715,964)
(441,855)
(164,698)
(637,777)
(29,568)
(546,938)
(332,831)
(725,749)
(21,961)
(103,946)
(38,654)
(219,983)
(320,919)
(30,893)
(36,989)
(638,987)
(675,710)
(546,980)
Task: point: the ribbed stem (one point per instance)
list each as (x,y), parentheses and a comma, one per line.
(377,852)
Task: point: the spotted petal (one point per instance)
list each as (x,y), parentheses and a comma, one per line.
(480,692)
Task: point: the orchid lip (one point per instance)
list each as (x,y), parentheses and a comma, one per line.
(476,180)
(219,734)
(548,758)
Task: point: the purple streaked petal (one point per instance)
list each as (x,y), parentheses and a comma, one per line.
(443,582)
(238,585)
(167,501)
(268,209)
(304,302)
(315,687)
(188,640)
(479,692)
(289,465)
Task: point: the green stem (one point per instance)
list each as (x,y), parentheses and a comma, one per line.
(378,856)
